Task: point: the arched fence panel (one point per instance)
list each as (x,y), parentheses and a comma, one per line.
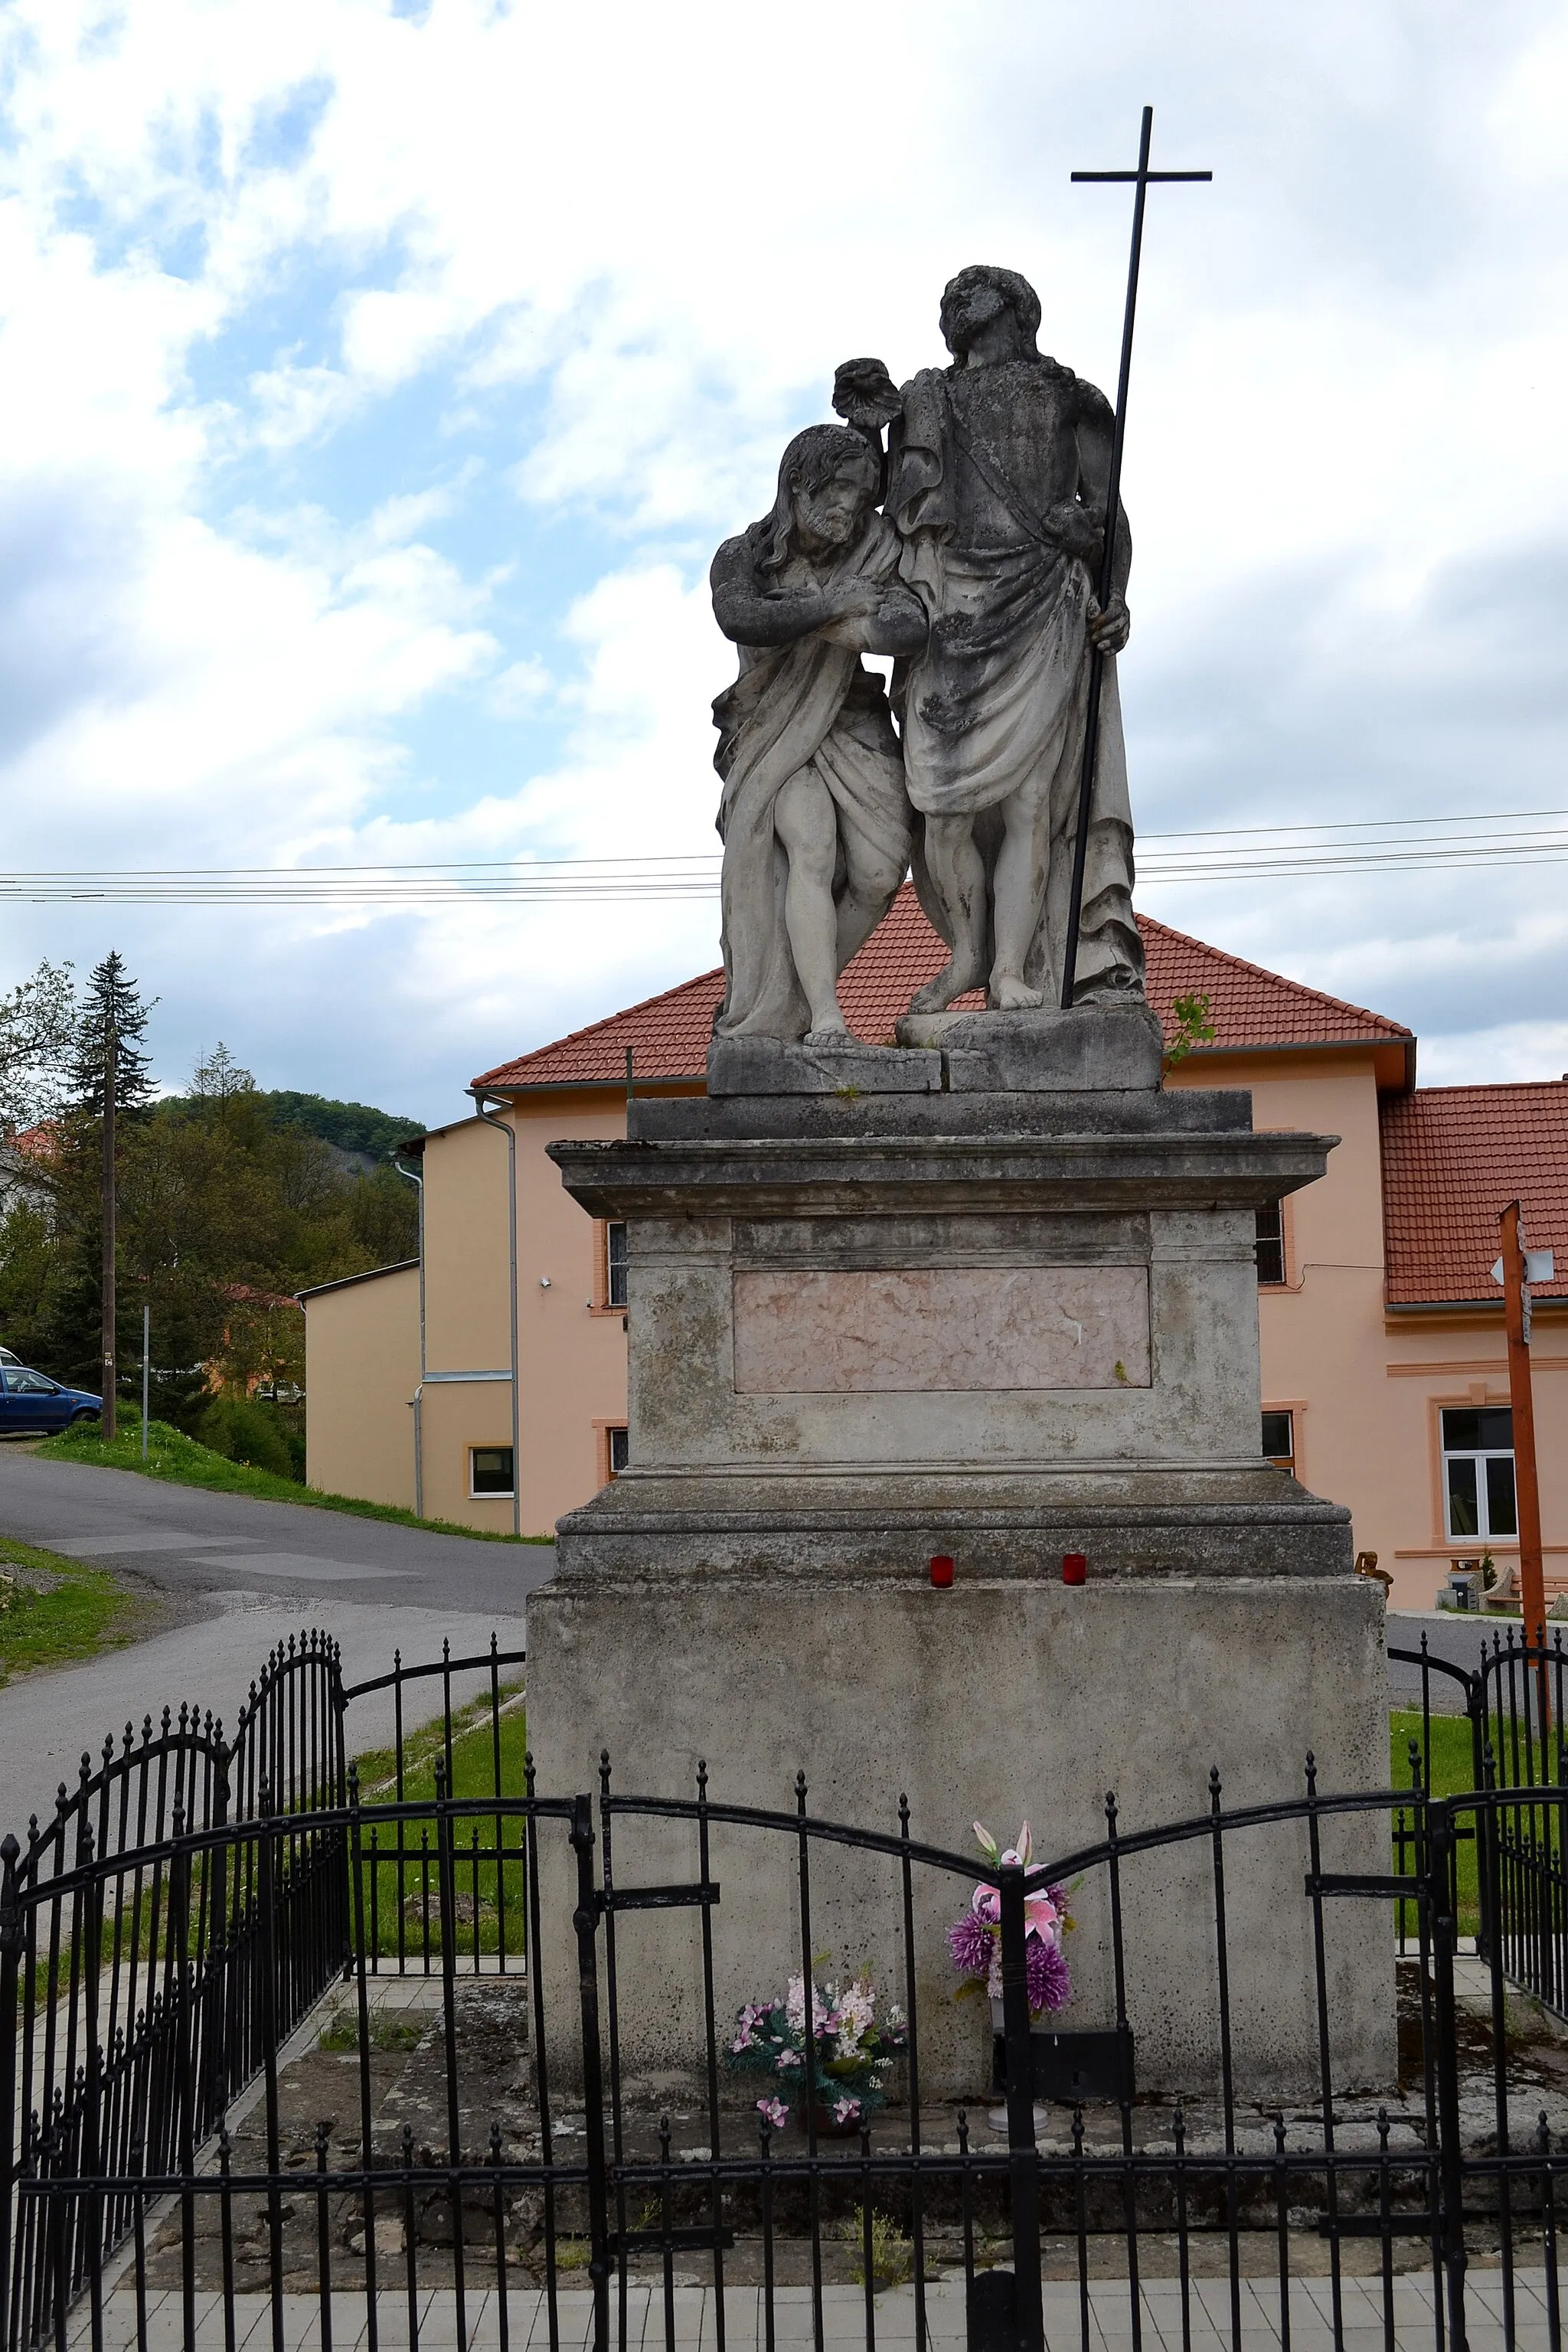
(679,2070)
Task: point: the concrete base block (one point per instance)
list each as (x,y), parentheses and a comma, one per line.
(774,1066)
(1092,1048)
(1001,1524)
(996,1701)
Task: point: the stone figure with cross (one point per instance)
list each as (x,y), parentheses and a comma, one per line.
(987,551)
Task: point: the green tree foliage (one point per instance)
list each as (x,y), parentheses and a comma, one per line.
(353,1127)
(225,1210)
(39,1024)
(244,1431)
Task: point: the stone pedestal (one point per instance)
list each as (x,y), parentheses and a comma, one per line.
(1002,1314)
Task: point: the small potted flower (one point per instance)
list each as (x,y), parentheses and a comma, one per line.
(975,1940)
(851,2054)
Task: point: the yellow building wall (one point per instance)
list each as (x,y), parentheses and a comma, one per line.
(1433,1361)
(1366,1384)
(468,1327)
(362,1361)
(1322,1336)
(571,1347)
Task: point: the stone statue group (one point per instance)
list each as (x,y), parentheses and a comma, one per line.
(965,551)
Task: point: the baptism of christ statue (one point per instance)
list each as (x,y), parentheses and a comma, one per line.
(994,579)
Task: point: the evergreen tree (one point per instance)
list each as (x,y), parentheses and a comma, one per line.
(110,1004)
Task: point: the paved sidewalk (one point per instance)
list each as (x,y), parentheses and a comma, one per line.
(844,2318)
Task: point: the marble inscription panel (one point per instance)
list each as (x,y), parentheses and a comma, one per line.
(1058,1327)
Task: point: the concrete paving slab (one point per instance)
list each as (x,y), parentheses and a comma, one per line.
(300,1564)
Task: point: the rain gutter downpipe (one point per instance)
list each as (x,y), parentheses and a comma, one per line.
(409,1177)
(504,1126)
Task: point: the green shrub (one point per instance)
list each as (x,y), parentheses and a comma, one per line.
(243,1431)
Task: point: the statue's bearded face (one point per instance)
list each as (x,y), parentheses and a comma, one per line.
(967,311)
(832,512)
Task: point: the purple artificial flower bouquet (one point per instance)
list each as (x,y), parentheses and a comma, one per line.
(975,1940)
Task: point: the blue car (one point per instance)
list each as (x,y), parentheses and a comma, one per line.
(32,1402)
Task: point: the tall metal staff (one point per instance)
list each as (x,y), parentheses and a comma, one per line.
(1141,178)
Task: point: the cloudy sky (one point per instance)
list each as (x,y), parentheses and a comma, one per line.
(378,376)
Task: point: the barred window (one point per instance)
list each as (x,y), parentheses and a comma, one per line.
(615,1265)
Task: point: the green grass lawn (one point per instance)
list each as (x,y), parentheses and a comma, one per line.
(408,1886)
(173,1455)
(54,1611)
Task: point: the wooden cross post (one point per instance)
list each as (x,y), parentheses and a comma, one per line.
(1143,179)
(1527,1492)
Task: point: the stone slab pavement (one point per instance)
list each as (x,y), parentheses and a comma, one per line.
(231,1578)
(1208,2322)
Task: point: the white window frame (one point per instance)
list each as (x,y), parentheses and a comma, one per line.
(491,1494)
(1479,1455)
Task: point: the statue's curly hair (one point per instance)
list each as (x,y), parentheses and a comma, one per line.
(1015,291)
(810,460)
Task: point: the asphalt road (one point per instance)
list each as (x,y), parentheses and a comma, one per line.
(227,1579)
(1458,1640)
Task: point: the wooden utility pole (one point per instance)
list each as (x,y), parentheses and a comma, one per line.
(111,1350)
(1527,1493)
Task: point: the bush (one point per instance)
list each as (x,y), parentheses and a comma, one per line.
(244,1431)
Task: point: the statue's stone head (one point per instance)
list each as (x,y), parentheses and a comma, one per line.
(828,482)
(980,294)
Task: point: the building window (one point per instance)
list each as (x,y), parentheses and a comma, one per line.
(1279,1440)
(1269,1246)
(618,1454)
(1478,1471)
(614,1264)
(490,1471)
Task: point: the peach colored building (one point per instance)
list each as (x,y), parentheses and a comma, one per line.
(1383,1366)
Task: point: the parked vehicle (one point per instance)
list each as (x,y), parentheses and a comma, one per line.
(7,1357)
(30,1400)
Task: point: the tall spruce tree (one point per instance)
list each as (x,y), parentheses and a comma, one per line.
(111,1007)
(111,1080)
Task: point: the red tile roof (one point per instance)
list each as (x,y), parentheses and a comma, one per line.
(1453,1158)
(1248,1005)
(668,1035)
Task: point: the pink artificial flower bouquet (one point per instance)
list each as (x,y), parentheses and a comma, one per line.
(975,1940)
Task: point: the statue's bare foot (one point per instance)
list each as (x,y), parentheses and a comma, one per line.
(952,981)
(828,1032)
(1013,996)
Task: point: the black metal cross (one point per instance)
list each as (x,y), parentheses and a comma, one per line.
(1142,178)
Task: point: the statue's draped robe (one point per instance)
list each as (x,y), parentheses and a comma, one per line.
(811,705)
(997,705)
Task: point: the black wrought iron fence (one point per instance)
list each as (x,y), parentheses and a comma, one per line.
(234,2099)
(1512,1705)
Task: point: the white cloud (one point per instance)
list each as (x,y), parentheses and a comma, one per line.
(621,258)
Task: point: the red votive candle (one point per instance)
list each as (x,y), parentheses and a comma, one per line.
(1074,1568)
(940,1569)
